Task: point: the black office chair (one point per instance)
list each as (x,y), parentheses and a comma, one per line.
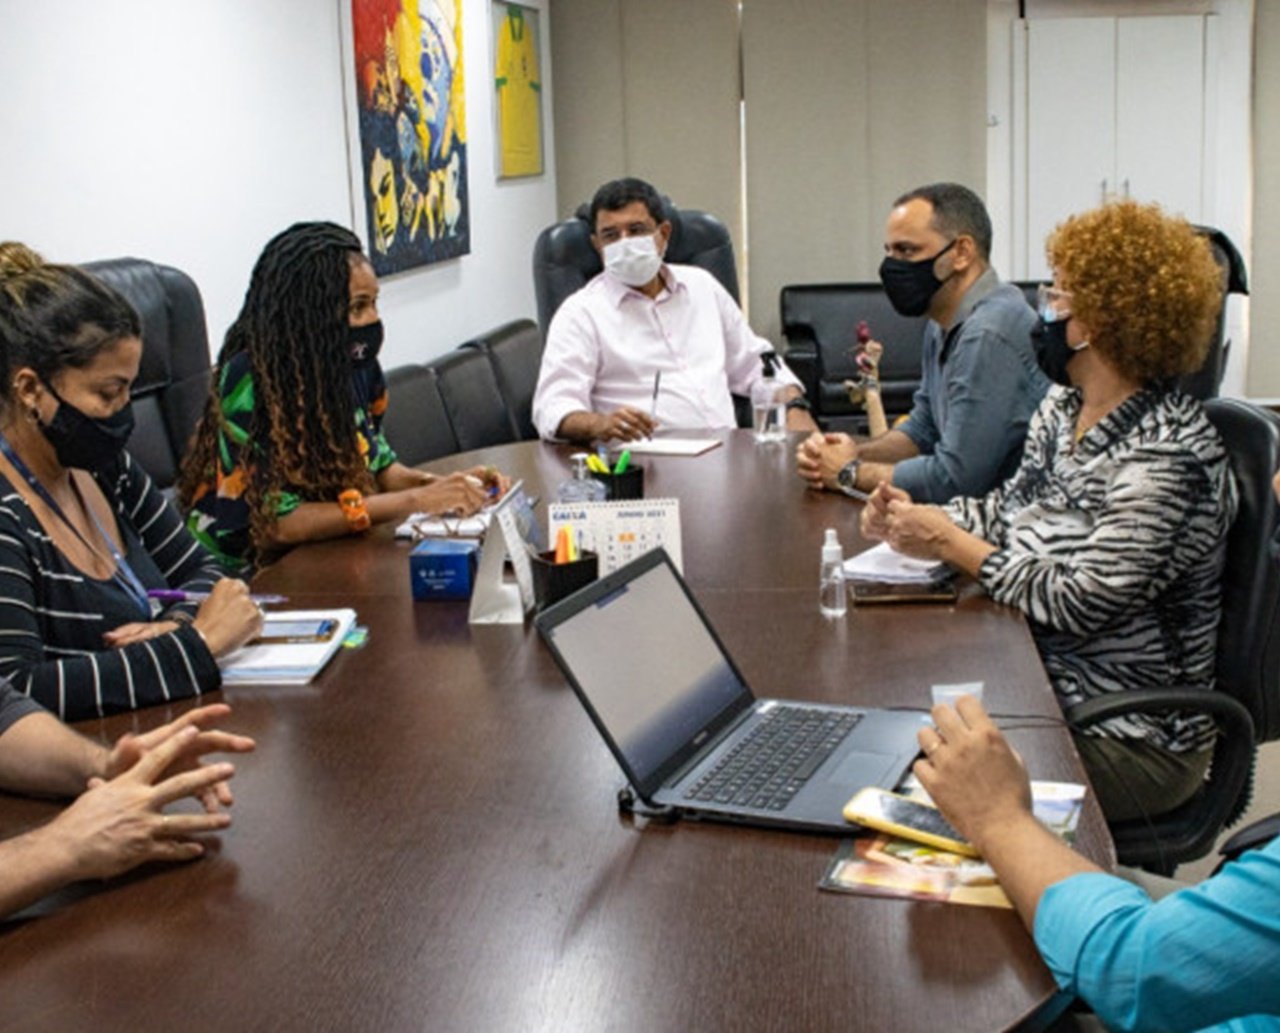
(820,321)
(515,352)
(173,378)
(1204,383)
(1246,703)
(416,424)
(475,406)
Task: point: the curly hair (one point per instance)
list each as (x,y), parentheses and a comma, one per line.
(293,331)
(1144,283)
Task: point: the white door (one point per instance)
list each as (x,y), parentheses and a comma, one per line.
(1071,126)
(1160,111)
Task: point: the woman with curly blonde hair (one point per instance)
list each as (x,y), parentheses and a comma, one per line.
(1111,535)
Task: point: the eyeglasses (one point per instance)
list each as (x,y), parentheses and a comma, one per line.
(1049,299)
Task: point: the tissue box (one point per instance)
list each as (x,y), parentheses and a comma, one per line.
(443,568)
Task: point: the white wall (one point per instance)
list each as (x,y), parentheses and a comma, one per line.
(189,134)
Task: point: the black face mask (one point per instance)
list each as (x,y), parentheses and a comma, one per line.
(1052,351)
(85,442)
(364,343)
(910,286)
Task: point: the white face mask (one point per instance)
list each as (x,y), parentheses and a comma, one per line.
(633,260)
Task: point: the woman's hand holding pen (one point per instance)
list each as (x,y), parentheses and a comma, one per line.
(458,494)
(229,617)
(495,483)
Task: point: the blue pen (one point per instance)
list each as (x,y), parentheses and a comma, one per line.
(176,595)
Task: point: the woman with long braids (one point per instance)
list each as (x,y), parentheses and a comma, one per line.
(85,537)
(290,448)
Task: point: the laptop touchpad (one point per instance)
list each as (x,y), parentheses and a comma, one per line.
(863,769)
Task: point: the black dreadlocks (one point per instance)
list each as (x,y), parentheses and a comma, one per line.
(293,329)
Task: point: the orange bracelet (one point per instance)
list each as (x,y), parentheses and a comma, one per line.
(354,509)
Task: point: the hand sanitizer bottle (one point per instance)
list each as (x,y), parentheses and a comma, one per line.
(768,414)
(832,599)
(581,487)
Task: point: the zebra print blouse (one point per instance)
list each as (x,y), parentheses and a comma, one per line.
(1113,547)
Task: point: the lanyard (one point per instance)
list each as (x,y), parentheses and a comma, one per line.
(123,575)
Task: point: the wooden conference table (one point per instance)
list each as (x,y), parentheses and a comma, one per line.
(427,838)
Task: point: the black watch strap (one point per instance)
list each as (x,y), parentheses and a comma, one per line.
(800,402)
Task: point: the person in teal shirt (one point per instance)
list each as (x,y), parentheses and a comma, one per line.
(1204,957)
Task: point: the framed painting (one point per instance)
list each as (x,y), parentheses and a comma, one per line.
(411,114)
(517,83)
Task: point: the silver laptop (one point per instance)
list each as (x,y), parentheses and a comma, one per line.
(688,732)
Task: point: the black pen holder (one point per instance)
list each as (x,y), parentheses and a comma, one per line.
(554,581)
(626,485)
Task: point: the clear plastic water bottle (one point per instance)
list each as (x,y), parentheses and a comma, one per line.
(832,599)
(768,414)
(581,487)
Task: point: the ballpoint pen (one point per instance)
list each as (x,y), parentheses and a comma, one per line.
(653,406)
(176,595)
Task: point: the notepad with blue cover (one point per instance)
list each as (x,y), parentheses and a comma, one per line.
(286,663)
(688,731)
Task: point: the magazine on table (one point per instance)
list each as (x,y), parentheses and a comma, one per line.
(886,866)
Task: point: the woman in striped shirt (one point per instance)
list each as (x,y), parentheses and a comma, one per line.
(84,535)
(1111,535)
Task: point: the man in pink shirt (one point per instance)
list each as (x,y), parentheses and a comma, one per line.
(640,319)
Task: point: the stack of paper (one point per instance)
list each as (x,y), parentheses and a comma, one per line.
(287,662)
(882,563)
(671,446)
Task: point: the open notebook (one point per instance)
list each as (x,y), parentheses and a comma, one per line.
(296,656)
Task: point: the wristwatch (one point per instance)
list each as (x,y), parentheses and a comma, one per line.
(847,478)
(799,402)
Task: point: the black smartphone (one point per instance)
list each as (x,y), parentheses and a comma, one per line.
(866,592)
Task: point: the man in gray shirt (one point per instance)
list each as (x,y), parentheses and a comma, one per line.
(979,382)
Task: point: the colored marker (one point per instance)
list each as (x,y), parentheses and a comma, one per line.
(624,461)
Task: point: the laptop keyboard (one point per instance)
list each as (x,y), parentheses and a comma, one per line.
(772,763)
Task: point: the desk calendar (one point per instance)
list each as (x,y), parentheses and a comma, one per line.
(618,532)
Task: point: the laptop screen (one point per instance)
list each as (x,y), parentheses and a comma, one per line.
(646,662)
